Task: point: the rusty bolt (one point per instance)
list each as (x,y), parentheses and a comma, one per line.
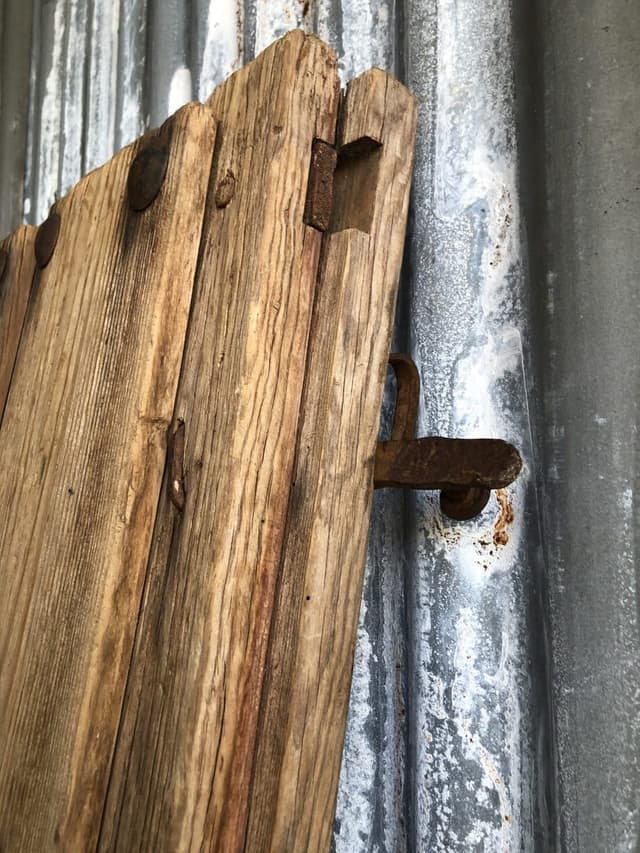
(4,258)
(147,173)
(46,239)
(463,504)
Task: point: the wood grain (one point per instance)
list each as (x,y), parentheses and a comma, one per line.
(82,451)
(18,264)
(183,761)
(306,691)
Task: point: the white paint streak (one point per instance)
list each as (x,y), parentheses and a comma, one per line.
(73,95)
(358,51)
(49,155)
(222,53)
(356,794)
(274,18)
(179,90)
(100,118)
(132,32)
(471,651)
(367,38)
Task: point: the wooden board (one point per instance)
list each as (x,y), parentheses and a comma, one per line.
(82,451)
(17,264)
(306,691)
(183,761)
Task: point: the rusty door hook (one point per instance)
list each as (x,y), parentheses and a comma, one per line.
(465,470)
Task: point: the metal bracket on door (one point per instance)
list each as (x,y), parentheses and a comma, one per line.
(465,470)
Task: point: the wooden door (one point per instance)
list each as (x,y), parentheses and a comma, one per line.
(194,346)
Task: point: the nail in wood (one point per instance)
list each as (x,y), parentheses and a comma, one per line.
(46,239)
(176,468)
(147,173)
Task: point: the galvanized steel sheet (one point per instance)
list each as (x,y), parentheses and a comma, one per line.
(496,690)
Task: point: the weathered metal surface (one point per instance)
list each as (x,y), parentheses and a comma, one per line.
(520,289)
(581,199)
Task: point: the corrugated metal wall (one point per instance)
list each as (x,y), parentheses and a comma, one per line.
(496,692)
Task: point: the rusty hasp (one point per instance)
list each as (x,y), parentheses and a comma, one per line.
(465,470)
(446,463)
(319,202)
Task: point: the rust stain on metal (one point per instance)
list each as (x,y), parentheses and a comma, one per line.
(147,171)
(177,492)
(500,535)
(46,239)
(225,189)
(319,201)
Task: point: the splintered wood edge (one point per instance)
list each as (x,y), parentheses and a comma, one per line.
(18,266)
(377,128)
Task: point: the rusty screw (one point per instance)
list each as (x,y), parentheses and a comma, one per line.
(46,239)
(147,173)
(4,259)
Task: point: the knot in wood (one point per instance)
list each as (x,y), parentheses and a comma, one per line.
(225,189)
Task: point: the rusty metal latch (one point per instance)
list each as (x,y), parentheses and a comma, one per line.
(465,470)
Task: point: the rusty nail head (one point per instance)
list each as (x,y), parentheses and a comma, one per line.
(4,257)
(147,173)
(46,239)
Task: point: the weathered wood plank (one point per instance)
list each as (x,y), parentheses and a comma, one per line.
(306,690)
(82,450)
(182,766)
(17,265)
